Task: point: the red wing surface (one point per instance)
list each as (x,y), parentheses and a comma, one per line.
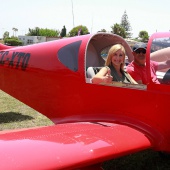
(69,145)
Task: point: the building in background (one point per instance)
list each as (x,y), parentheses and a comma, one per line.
(31,39)
(26,40)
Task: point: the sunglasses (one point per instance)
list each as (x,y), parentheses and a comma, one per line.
(140,51)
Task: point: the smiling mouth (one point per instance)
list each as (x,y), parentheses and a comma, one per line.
(117,62)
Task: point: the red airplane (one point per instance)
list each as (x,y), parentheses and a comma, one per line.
(93,122)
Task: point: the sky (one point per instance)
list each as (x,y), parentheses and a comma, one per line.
(146,15)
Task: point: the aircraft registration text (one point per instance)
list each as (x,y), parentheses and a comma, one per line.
(14,59)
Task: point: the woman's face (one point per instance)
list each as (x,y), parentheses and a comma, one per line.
(117,58)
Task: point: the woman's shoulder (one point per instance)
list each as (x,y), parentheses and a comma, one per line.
(105,68)
(102,70)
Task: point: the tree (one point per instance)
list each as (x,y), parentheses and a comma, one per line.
(13,41)
(81,29)
(126,25)
(34,32)
(119,30)
(63,31)
(49,32)
(43,32)
(144,35)
(14,31)
(6,35)
(102,30)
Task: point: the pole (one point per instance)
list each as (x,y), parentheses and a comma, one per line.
(72,12)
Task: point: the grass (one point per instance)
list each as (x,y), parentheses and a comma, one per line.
(15,115)
(144,160)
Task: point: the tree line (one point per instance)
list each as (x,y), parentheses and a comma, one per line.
(122,29)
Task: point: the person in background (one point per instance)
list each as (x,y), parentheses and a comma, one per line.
(137,68)
(114,67)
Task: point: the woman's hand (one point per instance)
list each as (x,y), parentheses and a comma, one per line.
(103,76)
(107,79)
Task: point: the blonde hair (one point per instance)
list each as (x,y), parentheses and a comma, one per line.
(112,50)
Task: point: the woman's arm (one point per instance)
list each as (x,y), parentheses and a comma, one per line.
(103,76)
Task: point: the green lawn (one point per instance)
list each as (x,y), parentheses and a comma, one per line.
(14,115)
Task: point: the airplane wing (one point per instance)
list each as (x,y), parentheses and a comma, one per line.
(68,146)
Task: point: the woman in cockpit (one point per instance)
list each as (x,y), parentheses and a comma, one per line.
(114,67)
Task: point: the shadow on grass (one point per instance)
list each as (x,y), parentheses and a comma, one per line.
(9,117)
(144,160)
